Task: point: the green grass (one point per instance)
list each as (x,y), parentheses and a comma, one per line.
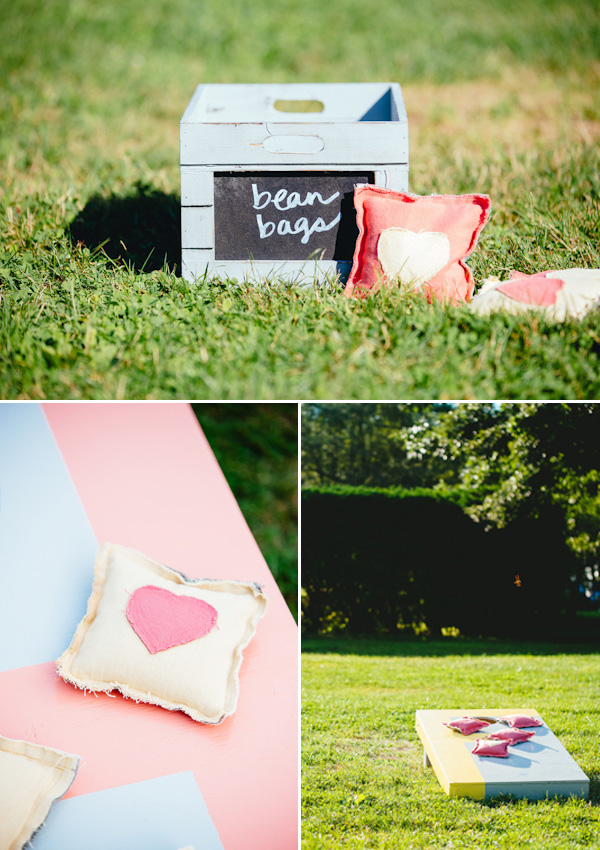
(363,781)
(257,449)
(502,98)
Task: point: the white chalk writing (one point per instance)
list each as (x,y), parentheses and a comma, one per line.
(284,201)
(301,225)
(292,200)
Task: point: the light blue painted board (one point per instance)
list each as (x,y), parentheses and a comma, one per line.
(166,813)
(534,768)
(47,546)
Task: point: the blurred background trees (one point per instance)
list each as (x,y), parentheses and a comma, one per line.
(521,481)
(256,444)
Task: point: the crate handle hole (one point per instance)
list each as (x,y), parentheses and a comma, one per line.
(299,105)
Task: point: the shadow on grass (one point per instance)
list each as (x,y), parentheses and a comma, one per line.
(595,789)
(141,229)
(431,647)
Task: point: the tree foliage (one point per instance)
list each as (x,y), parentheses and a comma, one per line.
(365,444)
(506,463)
(522,461)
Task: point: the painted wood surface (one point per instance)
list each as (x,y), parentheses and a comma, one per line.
(169,813)
(46,542)
(197,263)
(197,227)
(230,130)
(393,177)
(534,769)
(361,123)
(250,102)
(197,186)
(197,181)
(215,144)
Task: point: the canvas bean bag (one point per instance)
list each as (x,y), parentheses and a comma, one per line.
(557,295)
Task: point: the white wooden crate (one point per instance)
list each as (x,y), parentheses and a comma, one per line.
(244,162)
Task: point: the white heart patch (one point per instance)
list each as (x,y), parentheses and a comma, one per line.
(412,257)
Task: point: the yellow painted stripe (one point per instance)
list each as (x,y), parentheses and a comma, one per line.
(452,763)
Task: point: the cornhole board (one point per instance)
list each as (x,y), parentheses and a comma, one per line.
(71,477)
(538,768)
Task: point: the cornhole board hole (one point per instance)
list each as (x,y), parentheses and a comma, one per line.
(538,768)
(268,175)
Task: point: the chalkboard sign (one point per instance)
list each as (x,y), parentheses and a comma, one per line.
(286,215)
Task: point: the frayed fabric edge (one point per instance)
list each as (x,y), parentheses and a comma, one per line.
(42,805)
(139,697)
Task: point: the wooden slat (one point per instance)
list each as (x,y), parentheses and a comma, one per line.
(197,263)
(393,177)
(197,180)
(197,186)
(360,143)
(343,102)
(197,227)
(300,166)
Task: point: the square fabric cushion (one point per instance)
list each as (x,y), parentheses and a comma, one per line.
(558,295)
(419,241)
(512,736)
(467,725)
(520,721)
(158,637)
(490,747)
(32,777)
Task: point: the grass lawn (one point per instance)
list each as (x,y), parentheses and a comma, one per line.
(502,98)
(363,780)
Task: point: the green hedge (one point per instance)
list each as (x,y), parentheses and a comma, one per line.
(375,561)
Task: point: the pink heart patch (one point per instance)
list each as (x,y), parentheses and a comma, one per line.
(162,619)
(533,289)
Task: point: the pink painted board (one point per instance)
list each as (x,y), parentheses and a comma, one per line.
(148,479)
